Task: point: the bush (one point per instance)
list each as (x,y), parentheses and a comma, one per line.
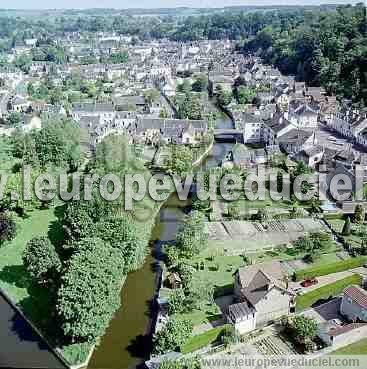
(7,228)
(347,228)
(229,336)
(339,266)
(41,259)
(302,328)
(172,336)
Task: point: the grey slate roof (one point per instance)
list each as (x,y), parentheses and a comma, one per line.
(93,108)
(241,310)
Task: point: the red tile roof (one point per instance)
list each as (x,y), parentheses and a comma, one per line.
(358,295)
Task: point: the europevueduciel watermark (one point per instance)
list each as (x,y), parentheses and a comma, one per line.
(130,188)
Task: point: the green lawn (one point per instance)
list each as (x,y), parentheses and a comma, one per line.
(217,269)
(329,268)
(35,302)
(357,348)
(222,280)
(209,313)
(14,279)
(201,340)
(333,289)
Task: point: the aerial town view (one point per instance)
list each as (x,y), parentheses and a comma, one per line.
(183,185)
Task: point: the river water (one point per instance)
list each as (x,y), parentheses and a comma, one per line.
(126,343)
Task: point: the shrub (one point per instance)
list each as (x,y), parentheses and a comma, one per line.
(41,259)
(7,228)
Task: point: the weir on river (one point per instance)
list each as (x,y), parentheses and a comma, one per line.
(127,342)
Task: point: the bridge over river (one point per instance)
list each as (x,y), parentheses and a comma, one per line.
(228,134)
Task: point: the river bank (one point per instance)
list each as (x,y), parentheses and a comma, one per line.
(127,342)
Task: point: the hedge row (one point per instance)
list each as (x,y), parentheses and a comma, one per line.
(325,269)
(202,340)
(325,292)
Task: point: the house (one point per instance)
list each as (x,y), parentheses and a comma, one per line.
(179,131)
(335,334)
(250,125)
(354,304)
(262,296)
(296,140)
(338,321)
(132,103)
(105,111)
(19,104)
(303,115)
(311,156)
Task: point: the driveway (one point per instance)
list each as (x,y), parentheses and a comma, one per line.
(327,279)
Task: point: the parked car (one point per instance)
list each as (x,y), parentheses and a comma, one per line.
(309,282)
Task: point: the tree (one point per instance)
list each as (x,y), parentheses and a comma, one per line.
(192,236)
(180,161)
(13,119)
(312,244)
(200,84)
(229,336)
(189,107)
(245,95)
(347,228)
(186,273)
(176,302)
(8,228)
(41,259)
(224,98)
(303,328)
(172,336)
(124,235)
(359,214)
(172,255)
(90,290)
(199,293)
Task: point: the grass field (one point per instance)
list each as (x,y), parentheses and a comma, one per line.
(14,279)
(35,302)
(333,289)
(357,348)
(329,268)
(201,340)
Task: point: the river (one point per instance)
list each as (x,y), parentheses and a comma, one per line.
(126,343)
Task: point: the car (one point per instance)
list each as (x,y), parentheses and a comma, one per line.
(309,282)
